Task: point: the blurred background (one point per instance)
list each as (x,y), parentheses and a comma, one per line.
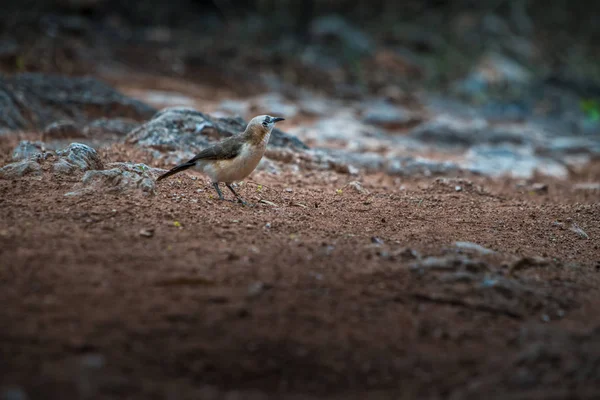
(325,44)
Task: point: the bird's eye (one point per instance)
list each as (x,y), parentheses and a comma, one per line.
(265,124)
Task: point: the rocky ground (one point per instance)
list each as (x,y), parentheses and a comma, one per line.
(400,243)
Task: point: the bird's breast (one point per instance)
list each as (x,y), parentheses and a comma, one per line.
(237,168)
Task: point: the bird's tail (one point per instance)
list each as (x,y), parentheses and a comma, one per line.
(174,170)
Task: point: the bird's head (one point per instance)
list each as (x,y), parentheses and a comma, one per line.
(263,124)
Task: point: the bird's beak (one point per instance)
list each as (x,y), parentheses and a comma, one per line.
(278,119)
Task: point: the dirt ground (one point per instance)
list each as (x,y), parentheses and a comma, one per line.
(326,293)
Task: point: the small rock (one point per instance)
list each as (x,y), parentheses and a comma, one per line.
(288,190)
(377,241)
(540,187)
(406,253)
(517,161)
(450,131)
(416,166)
(389,116)
(580,232)
(147,232)
(21,168)
(457,188)
(257,288)
(545,318)
(435,263)
(358,187)
(26,149)
(119,178)
(77,156)
(474,247)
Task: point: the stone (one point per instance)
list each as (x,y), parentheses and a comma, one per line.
(357,187)
(77,156)
(411,166)
(450,131)
(32,101)
(473,247)
(516,161)
(119,178)
(185,129)
(27,149)
(387,115)
(578,231)
(29,166)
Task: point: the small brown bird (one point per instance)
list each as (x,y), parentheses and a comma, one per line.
(234,158)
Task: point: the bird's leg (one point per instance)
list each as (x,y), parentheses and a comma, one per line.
(216,186)
(236,195)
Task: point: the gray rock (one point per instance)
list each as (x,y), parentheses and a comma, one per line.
(33,101)
(445,130)
(517,161)
(77,156)
(388,115)
(411,166)
(185,129)
(26,149)
(30,166)
(580,232)
(473,247)
(345,162)
(119,178)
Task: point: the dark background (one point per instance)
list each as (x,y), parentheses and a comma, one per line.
(438,41)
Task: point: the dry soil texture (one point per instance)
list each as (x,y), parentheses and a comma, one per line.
(325,292)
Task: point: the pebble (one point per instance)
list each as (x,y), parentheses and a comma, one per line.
(147,232)
(580,232)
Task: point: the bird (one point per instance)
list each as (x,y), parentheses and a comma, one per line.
(234,158)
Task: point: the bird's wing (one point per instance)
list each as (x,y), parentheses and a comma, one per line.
(225,150)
